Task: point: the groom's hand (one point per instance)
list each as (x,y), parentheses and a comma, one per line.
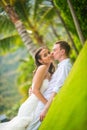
(43,114)
(46,108)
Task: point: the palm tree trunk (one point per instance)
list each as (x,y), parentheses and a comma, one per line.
(38,38)
(76,22)
(21,29)
(25,37)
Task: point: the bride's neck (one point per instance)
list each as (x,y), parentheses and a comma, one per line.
(47,76)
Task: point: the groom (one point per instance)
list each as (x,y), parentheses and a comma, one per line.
(60,53)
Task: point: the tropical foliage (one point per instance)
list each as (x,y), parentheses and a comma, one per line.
(79,8)
(9,93)
(25,78)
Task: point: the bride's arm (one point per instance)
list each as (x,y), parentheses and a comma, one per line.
(37,82)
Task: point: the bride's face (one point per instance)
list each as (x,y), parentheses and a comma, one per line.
(45,56)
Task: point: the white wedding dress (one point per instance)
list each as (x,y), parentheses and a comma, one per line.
(26,112)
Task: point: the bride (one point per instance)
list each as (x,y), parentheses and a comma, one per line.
(40,83)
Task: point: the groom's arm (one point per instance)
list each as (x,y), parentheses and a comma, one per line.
(48,104)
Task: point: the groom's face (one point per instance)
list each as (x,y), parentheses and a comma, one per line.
(56,53)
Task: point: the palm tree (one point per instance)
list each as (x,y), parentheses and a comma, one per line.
(19,26)
(33,23)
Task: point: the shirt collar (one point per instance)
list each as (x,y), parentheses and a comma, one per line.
(64,61)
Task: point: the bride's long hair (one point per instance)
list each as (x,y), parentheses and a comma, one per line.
(38,63)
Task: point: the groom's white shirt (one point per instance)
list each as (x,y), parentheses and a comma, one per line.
(55,84)
(58,77)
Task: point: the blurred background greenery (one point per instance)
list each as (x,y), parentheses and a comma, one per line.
(42,22)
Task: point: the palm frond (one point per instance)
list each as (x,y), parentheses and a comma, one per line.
(48,15)
(5,24)
(23,9)
(10,41)
(36,8)
(12,2)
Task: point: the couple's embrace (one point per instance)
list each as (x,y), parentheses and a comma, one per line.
(45,85)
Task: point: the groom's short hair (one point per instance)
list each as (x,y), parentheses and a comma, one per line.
(64,45)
